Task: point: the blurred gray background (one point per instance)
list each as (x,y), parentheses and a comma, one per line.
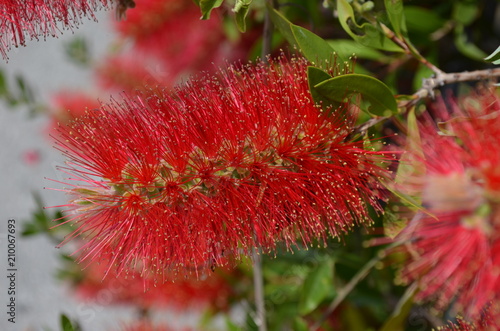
(39,297)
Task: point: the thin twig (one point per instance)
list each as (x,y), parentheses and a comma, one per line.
(342,294)
(427,90)
(440,80)
(267,34)
(258,284)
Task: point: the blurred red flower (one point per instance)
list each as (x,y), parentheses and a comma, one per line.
(169,42)
(21,19)
(454,250)
(187,179)
(106,286)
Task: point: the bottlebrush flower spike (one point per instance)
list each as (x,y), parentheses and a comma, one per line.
(21,19)
(186,179)
(454,255)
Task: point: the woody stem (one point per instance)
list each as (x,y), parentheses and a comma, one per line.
(258,283)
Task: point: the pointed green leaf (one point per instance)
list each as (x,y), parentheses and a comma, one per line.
(316,76)
(366,34)
(66,324)
(466,47)
(415,15)
(465,12)
(3,84)
(400,314)
(241,10)
(283,25)
(206,7)
(411,162)
(395,11)
(314,48)
(317,286)
(345,48)
(494,57)
(299,324)
(372,90)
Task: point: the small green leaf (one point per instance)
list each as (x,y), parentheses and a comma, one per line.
(314,48)
(394,9)
(206,7)
(316,76)
(400,314)
(3,84)
(493,57)
(465,47)
(465,12)
(345,48)
(372,90)
(283,25)
(66,324)
(241,10)
(26,94)
(317,286)
(416,15)
(366,34)
(299,324)
(77,50)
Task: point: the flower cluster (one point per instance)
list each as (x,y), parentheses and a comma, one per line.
(454,247)
(191,178)
(169,41)
(33,18)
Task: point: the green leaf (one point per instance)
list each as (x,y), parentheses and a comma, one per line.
(372,90)
(206,7)
(314,48)
(317,286)
(66,324)
(493,57)
(77,50)
(241,10)
(465,11)
(283,25)
(366,34)
(400,314)
(25,91)
(3,84)
(466,47)
(299,324)
(416,15)
(345,48)
(316,76)
(393,222)
(394,9)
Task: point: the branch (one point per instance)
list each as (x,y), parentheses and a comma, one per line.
(442,79)
(258,284)
(342,294)
(427,90)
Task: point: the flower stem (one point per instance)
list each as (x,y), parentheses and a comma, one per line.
(258,283)
(268,31)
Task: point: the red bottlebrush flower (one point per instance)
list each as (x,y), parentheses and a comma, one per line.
(170,42)
(489,320)
(21,19)
(220,166)
(454,253)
